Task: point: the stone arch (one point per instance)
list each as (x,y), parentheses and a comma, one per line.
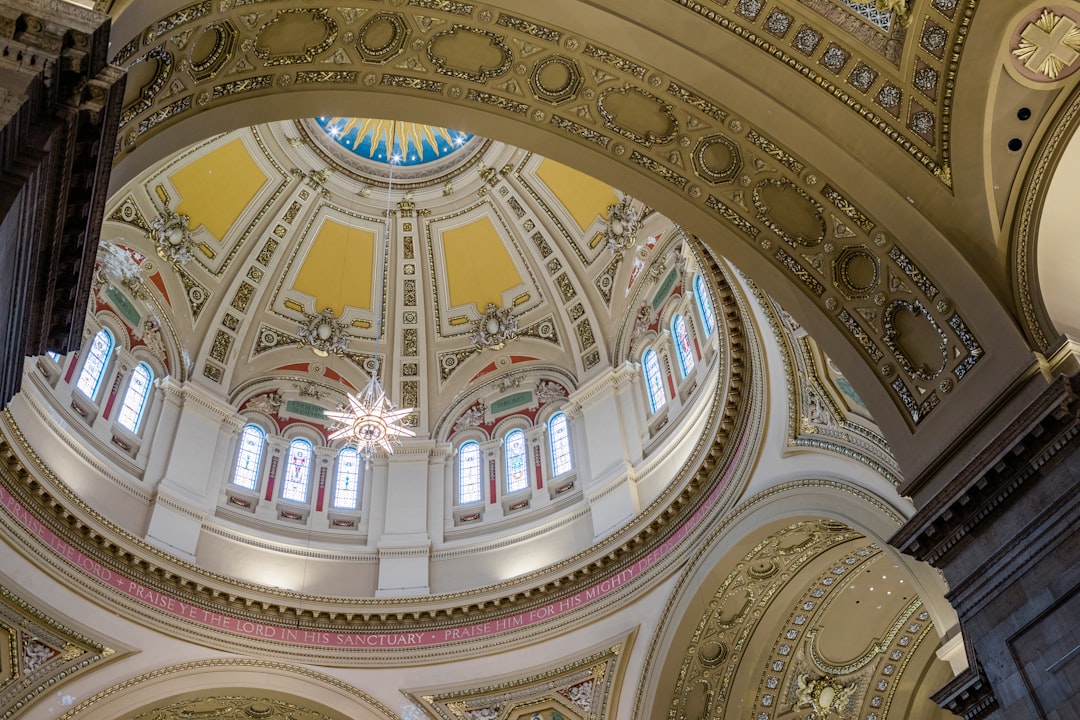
(248,678)
(1042,242)
(834,506)
(638,127)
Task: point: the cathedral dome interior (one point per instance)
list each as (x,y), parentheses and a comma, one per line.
(407,359)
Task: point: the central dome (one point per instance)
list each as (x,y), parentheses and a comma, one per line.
(270,274)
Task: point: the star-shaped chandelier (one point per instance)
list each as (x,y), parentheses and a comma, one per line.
(371,419)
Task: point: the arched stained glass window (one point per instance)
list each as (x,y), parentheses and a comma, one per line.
(347,480)
(682,345)
(559,436)
(517,472)
(704,304)
(97,357)
(138,391)
(470,487)
(654,382)
(246,471)
(297,471)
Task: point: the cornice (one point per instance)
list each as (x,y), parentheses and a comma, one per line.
(227,664)
(1046,426)
(557,596)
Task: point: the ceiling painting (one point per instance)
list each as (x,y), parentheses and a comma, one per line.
(216,188)
(585,198)
(339,268)
(479,269)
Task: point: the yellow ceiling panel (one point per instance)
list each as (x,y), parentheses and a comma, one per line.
(479,268)
(338,269)
(216,188)
(584,197)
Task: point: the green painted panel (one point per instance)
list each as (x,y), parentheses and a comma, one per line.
(665,289)
(511,401)
(121,303)
(311,410)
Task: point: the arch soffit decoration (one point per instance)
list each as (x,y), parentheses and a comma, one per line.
(1028,220)
(838,508)
(865,284)
(291,684)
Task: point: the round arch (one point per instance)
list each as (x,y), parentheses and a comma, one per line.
(210,678)
(837,505)
(679,149)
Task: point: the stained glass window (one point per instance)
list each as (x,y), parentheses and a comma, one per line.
(654,382)
(559,435)
(470,487)
(97,357)
(135,398)
(517,474)
(246,471)
(704,304)
(297,471)
(682,345)
(347,481)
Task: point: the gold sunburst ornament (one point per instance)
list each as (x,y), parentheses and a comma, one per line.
(371,419)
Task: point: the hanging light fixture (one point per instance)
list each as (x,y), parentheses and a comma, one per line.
(371,419)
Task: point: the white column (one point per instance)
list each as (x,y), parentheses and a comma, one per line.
(609,457)
(405,546)
(187,490)
(437,491)
(161,436)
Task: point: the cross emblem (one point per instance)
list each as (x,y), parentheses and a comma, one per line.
(1049,45)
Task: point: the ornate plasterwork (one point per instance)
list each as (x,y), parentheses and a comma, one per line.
(1048,47)
(496,327)
(721,638)
(223,706)
(119,568)
(580,689)
(662,128)
(208,666)
(40,653)
(1023,247)
(815,419)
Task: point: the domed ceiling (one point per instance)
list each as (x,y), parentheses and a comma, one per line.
(480,234)
(275,269)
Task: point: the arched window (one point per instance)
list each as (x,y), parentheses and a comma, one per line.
(517,474)
(297,471)
(654,382)
(97,357)
(246,470)
(704,305)
(135,398)
(470,487)
(682,345)
(347,480)
(559,436)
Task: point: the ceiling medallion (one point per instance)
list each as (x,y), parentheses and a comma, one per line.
(171,235)
(496,328)
(622,226)
(323,334)
(371,421)
(824,695)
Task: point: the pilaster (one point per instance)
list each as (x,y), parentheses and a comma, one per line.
(1004,528)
